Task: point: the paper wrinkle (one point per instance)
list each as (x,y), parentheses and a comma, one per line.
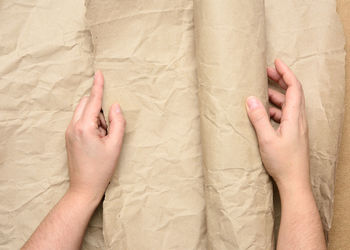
(189,174)
(156,197)
(238,190)
(45,67)
(319,65)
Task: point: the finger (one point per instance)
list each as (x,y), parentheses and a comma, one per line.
(293,97)
(80,108)
(259,119)
(116,126)
(102,132)
(102,120)
(275,114)
(94,103)
(275,76)
(276,97)
(286,73)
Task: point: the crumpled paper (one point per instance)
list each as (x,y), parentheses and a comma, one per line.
(230,51)
(146,51)
(308,36)
(340,230)
(189,175)
(45,68)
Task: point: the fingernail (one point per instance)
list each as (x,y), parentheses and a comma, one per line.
(117,108)
(252,103)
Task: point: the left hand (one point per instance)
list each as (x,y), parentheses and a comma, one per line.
(92,148)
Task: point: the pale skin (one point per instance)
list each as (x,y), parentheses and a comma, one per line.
(93,150)
(285,155)
(92,157)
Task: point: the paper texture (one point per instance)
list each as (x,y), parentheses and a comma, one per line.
(308,36)
(146,51)
(340,231)
(45,68)
(189,174)
(230,51)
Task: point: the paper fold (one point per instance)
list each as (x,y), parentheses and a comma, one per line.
(230,53)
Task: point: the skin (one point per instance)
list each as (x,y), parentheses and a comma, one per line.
(93,151)
(285,155)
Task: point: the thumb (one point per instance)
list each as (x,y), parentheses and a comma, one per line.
(259,119)
(116,126)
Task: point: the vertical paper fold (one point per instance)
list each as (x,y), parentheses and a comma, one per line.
(230,53)
(340,231)
(146,51)
(309,37)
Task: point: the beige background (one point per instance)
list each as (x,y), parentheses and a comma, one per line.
(66,48)
(339,234)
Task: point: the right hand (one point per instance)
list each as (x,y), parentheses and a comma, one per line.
(284,152)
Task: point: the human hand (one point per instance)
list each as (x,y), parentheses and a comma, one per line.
(284,152)
(92,148)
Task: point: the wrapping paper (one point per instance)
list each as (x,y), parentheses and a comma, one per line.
(340,231)
(230,50)
(45,68)
(308,36)
(189,174)
(146,51)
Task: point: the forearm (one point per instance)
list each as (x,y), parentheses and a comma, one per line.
(64,226)
(301,226)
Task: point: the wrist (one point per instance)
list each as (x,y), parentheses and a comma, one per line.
(86,198)
(295,179)
(294,187)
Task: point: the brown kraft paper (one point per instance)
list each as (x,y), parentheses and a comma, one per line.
(230,53)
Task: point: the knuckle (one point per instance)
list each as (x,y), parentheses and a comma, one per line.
(266,141)
(258,115)
(79,129)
